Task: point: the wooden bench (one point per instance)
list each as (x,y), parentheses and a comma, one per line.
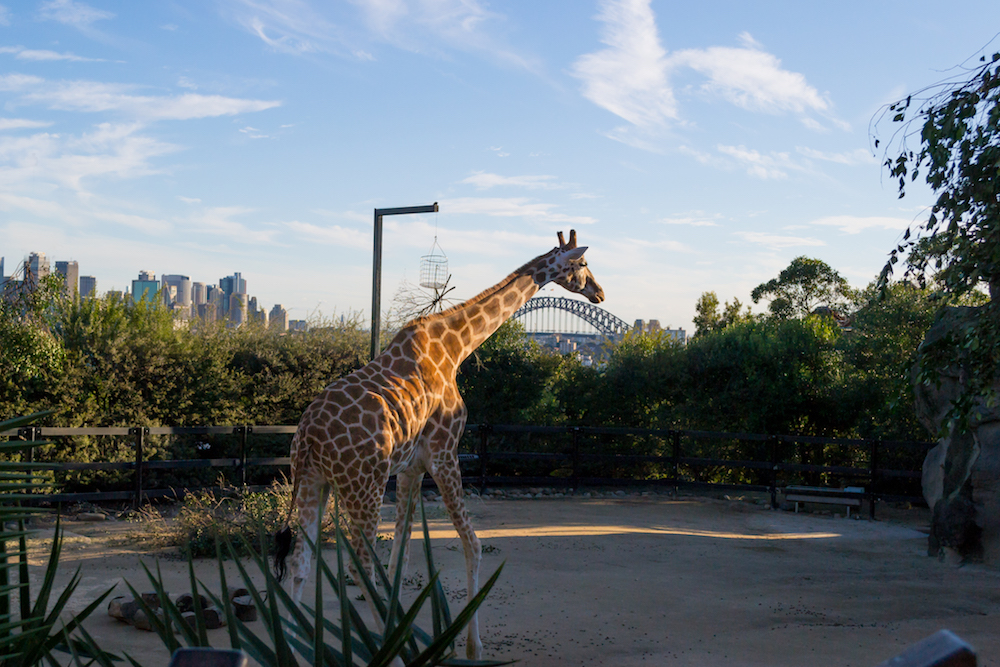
(848,497)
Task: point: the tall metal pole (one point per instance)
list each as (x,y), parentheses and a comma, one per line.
(377,265)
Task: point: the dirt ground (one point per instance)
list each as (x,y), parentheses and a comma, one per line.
(655,580)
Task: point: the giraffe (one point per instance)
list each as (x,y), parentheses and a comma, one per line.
(402,415)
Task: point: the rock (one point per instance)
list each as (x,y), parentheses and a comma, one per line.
(214,618)
(185,602)
(115,607)
(191,619)
(244,608)
(152,599)
(91,516)
(141,621)
(961,475)
(128,609)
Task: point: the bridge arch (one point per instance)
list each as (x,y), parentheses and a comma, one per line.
(606,323)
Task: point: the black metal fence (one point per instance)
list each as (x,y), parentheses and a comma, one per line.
(509,455)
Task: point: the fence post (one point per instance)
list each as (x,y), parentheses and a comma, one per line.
(244,432)
(774,473)
(675,436)
(872,477)
(139,433)
(29,434)
(484,435)
(575,479)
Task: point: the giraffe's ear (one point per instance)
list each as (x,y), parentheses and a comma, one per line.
(576,253)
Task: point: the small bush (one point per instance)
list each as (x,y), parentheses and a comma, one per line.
(238,515)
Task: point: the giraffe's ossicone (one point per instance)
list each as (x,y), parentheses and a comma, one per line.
(402,415)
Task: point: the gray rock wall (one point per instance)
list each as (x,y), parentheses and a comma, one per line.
(961,475)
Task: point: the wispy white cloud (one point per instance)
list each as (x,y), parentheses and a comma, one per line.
(93,96)
(116,150)
(4,15)
(330,235)
(253,133)
(70,12)
(218,220)
(21,123)
(857,156)
(300,27)
(776,241)
(850,224)
(485,181)
(629,78)
(513,207)
(773,165)
(22,53)
(751,78)
(692,219)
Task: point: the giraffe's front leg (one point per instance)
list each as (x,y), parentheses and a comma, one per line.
(448,476)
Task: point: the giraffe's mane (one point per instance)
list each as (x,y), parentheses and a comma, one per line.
(485,294)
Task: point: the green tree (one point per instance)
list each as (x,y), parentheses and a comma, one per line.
(764,376)
(707,317)
(803,286)
(959,154)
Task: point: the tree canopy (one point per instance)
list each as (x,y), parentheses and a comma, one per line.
(803,286)
(959,242)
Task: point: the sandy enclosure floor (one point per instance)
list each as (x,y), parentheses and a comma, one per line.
(655,580)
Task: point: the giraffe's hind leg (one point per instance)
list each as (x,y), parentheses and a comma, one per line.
(311,506)
(408,485)
(362,505)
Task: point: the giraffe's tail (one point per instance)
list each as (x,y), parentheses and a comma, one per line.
(283,538)
(282,547)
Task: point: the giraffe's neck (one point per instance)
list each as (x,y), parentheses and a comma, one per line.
(463,328)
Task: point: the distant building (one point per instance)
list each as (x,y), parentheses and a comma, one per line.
(88,287)
(230,286)
(181,294)
(298,325)
(70,271)
(145,288)
(278,318)
(256,314)
(237,309)
(38,264)
(199,294)
(653,326)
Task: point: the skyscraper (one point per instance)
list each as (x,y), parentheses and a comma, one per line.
(198,294)
(70,271)
(88,286)
(145,288)
(183,285)
(278,319)
(231,286)
(38,264)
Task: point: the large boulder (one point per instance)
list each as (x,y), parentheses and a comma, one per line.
(961,475)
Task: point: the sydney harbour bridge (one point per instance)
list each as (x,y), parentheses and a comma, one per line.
(560,315)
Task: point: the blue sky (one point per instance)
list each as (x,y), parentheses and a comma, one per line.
(695,147)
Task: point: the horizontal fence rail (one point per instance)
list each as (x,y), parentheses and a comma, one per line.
(678,460)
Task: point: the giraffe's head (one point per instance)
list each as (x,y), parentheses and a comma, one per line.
(571,269)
